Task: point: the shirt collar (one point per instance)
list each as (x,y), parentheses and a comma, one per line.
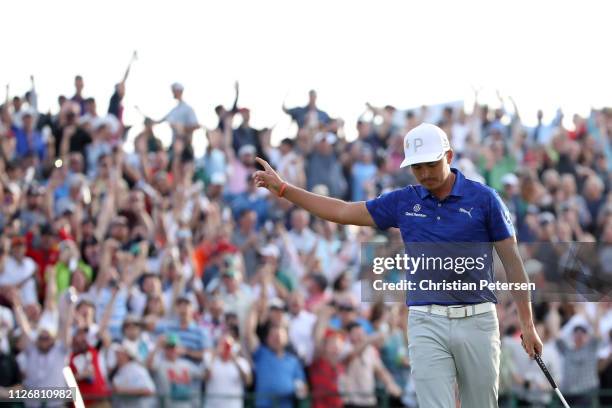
(456,191)
(459,184)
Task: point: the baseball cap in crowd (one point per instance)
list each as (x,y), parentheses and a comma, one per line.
(270,250)
(546,218)
(127,347)
(85,300)
(131,319)
(36,190)
(183,299)
(510,179)
(46,325)
(230,273)
(119,220)
(218,179)
(424,144)
(247,149)
(329,137)
(176,86)
(581,327)
(172,340)
(277,304)
(65,207)
(27,112)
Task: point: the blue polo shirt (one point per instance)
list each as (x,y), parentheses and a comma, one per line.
(275,377)
(465,223)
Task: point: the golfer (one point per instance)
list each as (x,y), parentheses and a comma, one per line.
(452,338)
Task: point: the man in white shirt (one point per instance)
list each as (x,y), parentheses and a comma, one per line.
(363,365)
(301,328)
(301,235)
(132,381)
(182,118)
(19,270)
(227,374)
(45,353)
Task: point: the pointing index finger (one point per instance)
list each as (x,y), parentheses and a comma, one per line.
(263,163)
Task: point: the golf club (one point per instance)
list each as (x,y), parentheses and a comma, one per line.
(544,369)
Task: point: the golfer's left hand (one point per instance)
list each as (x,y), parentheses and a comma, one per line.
(531,342)
(267,178)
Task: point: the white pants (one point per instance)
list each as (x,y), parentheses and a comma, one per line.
(446,351)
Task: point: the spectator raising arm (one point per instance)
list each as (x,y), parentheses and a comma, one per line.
(20,317)
(383,374)
(252,342)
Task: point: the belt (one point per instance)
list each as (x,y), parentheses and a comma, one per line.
(456,311)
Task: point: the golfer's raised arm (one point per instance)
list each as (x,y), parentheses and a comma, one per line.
(328,208)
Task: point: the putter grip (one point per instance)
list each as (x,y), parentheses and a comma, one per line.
(544,369)
(538,359)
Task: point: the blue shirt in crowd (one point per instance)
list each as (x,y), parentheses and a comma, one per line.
(34,144)
(192,337)
(275,376)
(300,114)
(361,173)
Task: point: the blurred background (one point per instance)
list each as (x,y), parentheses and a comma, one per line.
(136,249)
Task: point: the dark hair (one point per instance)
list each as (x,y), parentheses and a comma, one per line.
(377,312)
(46,229)
(338,281)
(320,280)
(234,331)
(351,325)
(148,275)
(288,141)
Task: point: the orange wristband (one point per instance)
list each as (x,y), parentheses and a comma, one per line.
(281,191)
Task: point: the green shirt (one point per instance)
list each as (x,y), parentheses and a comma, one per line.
(63,274)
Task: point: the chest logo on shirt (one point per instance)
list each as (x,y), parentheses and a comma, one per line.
(468,212)
(415,213)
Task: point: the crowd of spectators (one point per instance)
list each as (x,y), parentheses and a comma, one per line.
(162,277)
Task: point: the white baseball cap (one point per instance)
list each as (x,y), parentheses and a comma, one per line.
(218,178)
(510,179)
(270,250)
(423,144)
(247,149)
